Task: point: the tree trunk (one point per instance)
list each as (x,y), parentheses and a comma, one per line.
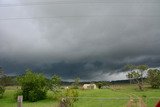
(142,77)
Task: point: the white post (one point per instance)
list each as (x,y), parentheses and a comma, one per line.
(19,101)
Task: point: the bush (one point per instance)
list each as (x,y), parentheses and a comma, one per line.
(100,84)
(33,86)
(19,92)
(58,95)
(74,87)
(67,97)
(2,90)
(71,96)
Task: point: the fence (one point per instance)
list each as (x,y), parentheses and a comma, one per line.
(99,102)
(116,102)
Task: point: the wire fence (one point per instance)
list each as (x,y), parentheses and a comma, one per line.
(97,102)
(116,102)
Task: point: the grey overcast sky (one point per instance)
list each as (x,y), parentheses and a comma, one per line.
(90,39)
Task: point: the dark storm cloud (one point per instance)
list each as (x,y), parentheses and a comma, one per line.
(88,40)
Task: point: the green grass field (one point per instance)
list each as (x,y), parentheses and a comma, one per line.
(117,96)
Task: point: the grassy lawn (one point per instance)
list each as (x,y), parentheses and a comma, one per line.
(91,98)
(103,97)
(9,101)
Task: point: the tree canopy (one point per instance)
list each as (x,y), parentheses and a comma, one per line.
(33,86)
(154,78)
(136,73)
(2,89)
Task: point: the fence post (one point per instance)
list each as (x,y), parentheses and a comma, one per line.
(19,101)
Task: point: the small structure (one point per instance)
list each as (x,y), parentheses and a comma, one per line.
(66,87)
(89,86)
(19,101)
(105,87)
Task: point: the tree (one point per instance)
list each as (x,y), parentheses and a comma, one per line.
(56,80)
(55,83)
(136,73)
(33,86)
(2,89)
(99,84)
(154,78)
(142,68)
(4,79)
(129,67)
(129,76)
(1,75)
(76,83)
(8,80)
(1,72)
(102,84)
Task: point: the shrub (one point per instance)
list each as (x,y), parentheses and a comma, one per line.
(58,95)
(75,85)
(67,97)
(2,90)
(33,86)
(71,96)
(100,84)
(54,83)
(19,92)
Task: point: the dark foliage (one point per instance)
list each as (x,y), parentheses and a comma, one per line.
(33,86)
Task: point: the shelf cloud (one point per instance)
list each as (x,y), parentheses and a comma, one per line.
(79,39)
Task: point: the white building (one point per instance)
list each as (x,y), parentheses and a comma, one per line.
(89,86)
